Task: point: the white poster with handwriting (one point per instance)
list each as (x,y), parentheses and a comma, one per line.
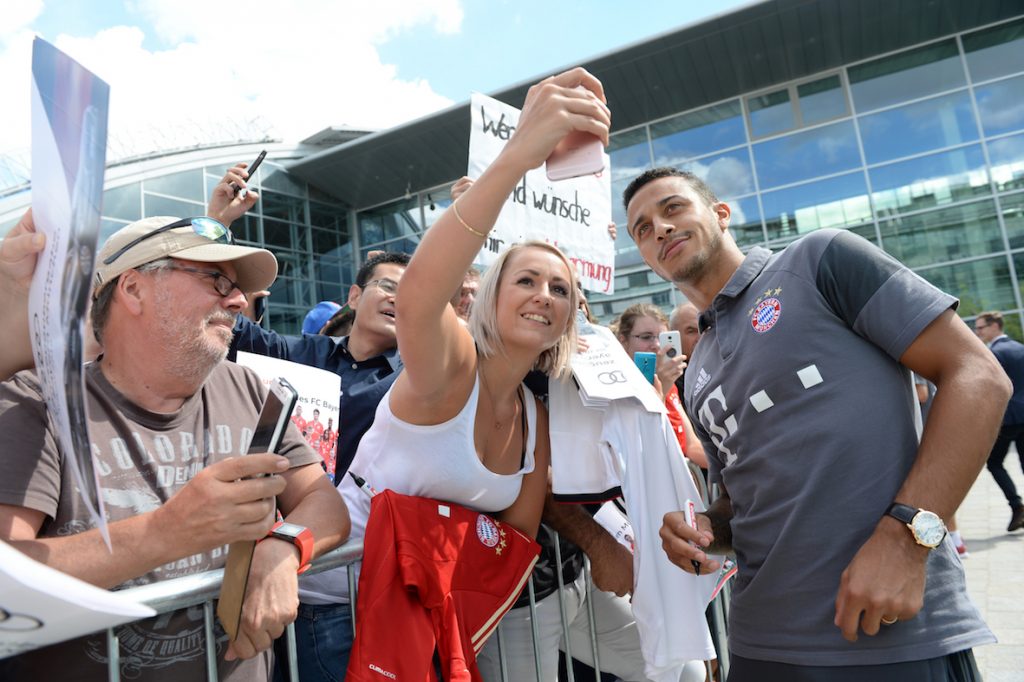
(571,214)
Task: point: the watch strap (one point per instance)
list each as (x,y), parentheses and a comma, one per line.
(303,541)
(902,512)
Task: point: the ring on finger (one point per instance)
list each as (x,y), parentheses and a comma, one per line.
(889,621)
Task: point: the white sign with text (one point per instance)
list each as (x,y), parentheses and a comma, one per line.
(571,214)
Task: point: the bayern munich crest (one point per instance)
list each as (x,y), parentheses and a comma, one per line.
(766,314)
(487,531)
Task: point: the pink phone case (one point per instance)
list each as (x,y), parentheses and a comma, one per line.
(577,154)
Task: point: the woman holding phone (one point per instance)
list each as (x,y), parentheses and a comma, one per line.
(638,330)
(458,425)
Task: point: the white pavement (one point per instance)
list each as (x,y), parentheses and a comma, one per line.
(995,573)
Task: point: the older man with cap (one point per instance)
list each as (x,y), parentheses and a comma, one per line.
(168,421)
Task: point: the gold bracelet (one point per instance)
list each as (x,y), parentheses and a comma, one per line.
(478,233)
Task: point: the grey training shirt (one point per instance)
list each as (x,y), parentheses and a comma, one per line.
(808,419)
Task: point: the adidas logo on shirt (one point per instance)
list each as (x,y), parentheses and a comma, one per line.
(702,380)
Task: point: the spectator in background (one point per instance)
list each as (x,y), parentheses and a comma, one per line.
(638,329)
(317,317)
(163,309)
(463,299)
(368,362)
(684,321)
(1010,354)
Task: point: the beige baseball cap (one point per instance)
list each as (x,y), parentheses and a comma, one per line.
(256,268)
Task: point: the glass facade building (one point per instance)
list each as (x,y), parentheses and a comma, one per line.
(920,150)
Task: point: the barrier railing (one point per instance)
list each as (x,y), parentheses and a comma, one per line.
(203,588)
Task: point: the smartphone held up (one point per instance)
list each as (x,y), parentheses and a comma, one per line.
(578,154)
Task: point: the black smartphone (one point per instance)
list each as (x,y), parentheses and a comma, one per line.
(259,308)
(251,170)
(274,417)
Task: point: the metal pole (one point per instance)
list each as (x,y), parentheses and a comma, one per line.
(590,617)
(113,657)
(561,608)
(211,643)
(533,628)
(293,653)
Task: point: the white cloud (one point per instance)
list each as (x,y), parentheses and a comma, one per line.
(298,66)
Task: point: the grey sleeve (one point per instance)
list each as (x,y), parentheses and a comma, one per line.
(877,296)
(32,461)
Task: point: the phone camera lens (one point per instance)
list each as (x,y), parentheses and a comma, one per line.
(671,352)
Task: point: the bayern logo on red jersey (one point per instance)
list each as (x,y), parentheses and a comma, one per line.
(487,531)
(766,314)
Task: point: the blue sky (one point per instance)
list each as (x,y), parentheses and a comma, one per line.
(295,68)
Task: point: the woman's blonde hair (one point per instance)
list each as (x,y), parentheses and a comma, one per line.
(483,318)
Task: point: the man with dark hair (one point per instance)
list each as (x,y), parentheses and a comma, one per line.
(1010,354)
(169,422)
(801,393)
(368,362)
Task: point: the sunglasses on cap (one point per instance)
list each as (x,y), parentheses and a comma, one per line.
(203,226)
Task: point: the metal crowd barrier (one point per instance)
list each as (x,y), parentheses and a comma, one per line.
(203,588)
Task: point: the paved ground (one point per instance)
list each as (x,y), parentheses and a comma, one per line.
(995,573)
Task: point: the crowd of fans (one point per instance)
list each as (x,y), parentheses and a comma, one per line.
(791,392)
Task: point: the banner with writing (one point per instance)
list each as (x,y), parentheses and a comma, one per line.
(571,214)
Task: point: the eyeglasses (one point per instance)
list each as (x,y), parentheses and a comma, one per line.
(203,226)
(646,337)
(979,327)
(387,286)
(221,282)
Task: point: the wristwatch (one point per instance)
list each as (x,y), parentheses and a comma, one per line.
(300,536)
(927,528)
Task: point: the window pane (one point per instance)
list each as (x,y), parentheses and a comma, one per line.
(285,319)
(771,113)
(172,207)
(821,100)
(1001,106)
(727,175)
(939,236)
(328,217)
(283,207)
(919,127)
(395,219)
(246,229)
(1013,218)
(836,202)
(1007,156)
(980,285)
(866,231)
(332,291)
(337,271)
(997,51)
(745,223)
(187,185)
(630,155)
(371,229)
(807,154)
(907,75)
(123,202)
(434,204)
(272,176)
(327,243)
(697,133)
(929,181)
(284,235)
(107,228)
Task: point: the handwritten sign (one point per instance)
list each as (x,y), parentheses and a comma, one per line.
(571,214)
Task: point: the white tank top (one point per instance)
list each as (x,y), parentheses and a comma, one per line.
(438,461)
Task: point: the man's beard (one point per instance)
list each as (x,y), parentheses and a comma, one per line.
(192,353)
(695,269)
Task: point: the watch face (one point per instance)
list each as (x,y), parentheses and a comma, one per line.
(290,529)
(929,528)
